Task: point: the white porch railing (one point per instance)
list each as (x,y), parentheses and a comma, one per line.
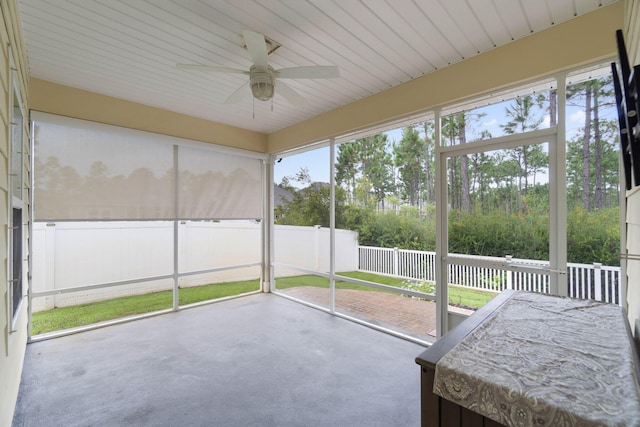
(588,281)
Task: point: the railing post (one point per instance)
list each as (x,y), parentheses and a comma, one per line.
(508,272)
(617,279)
(597,282)
(396,253)
(317,237)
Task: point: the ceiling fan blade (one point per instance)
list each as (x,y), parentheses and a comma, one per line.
(208,68)
(289,94)
(257,47)
(312,72)
(238,95)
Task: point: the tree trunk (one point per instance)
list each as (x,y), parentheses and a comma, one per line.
(553,107)
(464,171)
(525,171)
(586,154)
(597,151)
(427,164)
(453,188)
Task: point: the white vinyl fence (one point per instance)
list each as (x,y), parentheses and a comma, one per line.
(307,248)
(588,281)
(80,255)
(84,255)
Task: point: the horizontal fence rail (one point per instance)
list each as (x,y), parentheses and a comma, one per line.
(588,281)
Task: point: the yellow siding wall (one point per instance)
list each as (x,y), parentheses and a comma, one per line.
(12,344)
(53,98)
(632,40)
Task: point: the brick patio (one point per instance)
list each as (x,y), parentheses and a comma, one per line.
(413,317)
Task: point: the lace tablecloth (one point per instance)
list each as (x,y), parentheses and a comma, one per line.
(546,361)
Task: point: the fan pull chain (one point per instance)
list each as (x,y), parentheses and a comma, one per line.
(253,107)
(272,105)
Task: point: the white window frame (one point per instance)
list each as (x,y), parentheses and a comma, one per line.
(14,202)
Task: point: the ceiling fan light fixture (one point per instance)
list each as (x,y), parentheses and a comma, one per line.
(262,77)
(262,82)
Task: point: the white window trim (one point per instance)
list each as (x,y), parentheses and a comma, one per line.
(12,201)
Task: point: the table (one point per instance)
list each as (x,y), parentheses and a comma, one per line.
(529,359)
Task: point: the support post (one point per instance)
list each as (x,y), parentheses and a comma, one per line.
(442,244)
(267,227)
(176,266)
(332,227)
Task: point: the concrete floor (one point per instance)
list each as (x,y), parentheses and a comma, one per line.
(260,360)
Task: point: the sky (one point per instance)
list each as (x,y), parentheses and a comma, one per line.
(317,161)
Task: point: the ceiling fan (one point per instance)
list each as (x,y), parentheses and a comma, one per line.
(264,80)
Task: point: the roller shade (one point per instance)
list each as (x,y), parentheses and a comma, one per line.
(91,171)
(218,185)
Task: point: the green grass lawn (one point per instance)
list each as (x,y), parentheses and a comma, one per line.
(458,295)
(469,298)
(85,314)
(321,282)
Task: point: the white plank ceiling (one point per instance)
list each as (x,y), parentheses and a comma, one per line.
(129,49)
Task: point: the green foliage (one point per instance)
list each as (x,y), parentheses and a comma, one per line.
(406,231)
(593,236)
(363,168)
(310,206)
(409,155)
(522,116)
(499,234)
(419,286)
(352,216)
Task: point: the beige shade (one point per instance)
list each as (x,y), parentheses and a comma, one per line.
(216,185)
(91,171)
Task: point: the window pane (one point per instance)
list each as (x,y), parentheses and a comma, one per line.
(207,245)
(302,220)
(384,194)
(499,216)
(80,308)
(517,111)
(17,124)
(593,187)
(16,257)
